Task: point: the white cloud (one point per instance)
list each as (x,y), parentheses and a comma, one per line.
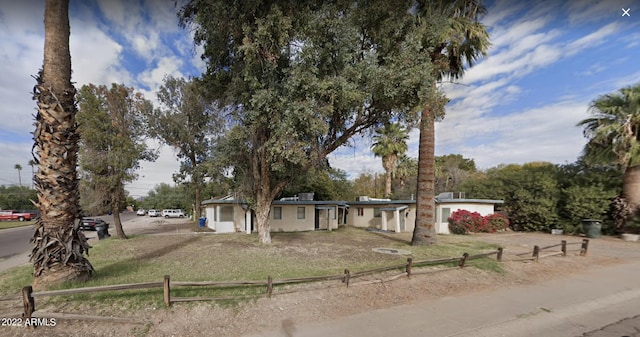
(152,78)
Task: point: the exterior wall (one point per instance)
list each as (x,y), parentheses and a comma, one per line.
(215,214)
(325,223)
(290,221)
(442,224)
(367,219)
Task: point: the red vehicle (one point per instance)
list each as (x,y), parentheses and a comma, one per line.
(14,216)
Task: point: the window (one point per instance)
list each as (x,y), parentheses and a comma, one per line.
(226,213)
(446,213)
(377,213)
(301,211)
(277,213)
(360,211)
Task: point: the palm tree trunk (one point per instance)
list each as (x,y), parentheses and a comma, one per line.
(631,188)
(424,232)
(59,246)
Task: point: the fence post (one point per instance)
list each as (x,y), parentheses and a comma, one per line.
(536,253)
(463,260)
(28,301)
(347,277)
(584,247)
(269,285)
(167,291)
(564,248)
(408,269)
(499,255)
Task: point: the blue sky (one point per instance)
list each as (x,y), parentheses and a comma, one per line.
(521,103)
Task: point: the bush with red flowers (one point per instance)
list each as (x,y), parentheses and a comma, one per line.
(465,222)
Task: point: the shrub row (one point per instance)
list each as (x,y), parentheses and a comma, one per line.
(465,222)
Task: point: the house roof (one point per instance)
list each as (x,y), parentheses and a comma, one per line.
(356,203)
(279,202)
(469,201)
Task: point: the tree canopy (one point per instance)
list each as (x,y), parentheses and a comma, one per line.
(301,78)
(112,140)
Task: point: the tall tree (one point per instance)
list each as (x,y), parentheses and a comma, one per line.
(451,171)
(18,167)
(59,246)
(390,142)
(462,39)
(189,123)
(112,144)
(32,163)
(613,134)
(301,78)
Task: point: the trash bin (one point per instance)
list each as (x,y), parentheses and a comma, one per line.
(103,231)
(592,228)
(202,221)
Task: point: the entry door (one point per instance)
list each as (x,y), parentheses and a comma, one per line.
(317,219)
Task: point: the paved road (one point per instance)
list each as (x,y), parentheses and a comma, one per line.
(15,241)
(15,246)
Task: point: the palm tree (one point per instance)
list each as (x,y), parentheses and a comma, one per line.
(32,163)
(390,142)
(460,41)
(19,168)
(613,134)
(58,249)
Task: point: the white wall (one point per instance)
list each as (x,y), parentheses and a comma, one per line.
(442,225)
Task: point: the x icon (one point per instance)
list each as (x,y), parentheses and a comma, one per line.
(625,12)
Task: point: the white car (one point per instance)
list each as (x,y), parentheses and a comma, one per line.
(153,213)
(172,213)
(141,212)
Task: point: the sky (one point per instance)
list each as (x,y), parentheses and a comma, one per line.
(521,103)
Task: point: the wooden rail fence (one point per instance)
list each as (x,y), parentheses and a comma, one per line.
(29,306)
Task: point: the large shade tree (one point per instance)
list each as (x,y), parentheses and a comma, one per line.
(58,245)
(390,142)
(189,123)
(301,78)
(460,41)
(613,133)
(112,141)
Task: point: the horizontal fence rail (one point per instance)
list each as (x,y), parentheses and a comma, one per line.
(28,296)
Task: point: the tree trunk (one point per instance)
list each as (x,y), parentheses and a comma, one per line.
(631,188)
(263,209)
(424,232)
(59,246)
(197,210)
(115,209)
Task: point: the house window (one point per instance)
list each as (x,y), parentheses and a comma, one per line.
(277,213)
(360,211)
(377,213)
(226,213)
(446,213)
(301,211)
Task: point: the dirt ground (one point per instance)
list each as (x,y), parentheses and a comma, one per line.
(333,300)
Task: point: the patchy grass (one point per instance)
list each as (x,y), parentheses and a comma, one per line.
(232,257)
(13,224)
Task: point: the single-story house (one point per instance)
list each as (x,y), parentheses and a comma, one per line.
(227,215)
(384,214)
(449,202)
(302,213)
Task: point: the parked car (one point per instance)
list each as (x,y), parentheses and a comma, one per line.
(91,223)
(153,213)
(141,212)
(172,213)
